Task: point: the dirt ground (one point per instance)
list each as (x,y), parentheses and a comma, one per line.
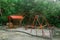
(5,35)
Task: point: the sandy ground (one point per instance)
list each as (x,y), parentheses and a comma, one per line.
(16,36)
(5,35)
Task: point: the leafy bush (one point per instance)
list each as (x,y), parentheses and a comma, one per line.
(29,8)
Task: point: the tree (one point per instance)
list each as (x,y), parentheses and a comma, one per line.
(29,8)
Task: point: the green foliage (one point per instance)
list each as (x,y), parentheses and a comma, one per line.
(29,8)
(4,18)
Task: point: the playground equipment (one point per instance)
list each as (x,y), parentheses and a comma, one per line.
(33,25)
(41,25)
(36,18)
(15,17)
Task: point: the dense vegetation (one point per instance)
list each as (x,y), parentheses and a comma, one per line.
(48,8)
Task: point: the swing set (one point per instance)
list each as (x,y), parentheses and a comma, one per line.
(41,26)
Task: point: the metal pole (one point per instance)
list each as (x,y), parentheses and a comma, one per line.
(51,33)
